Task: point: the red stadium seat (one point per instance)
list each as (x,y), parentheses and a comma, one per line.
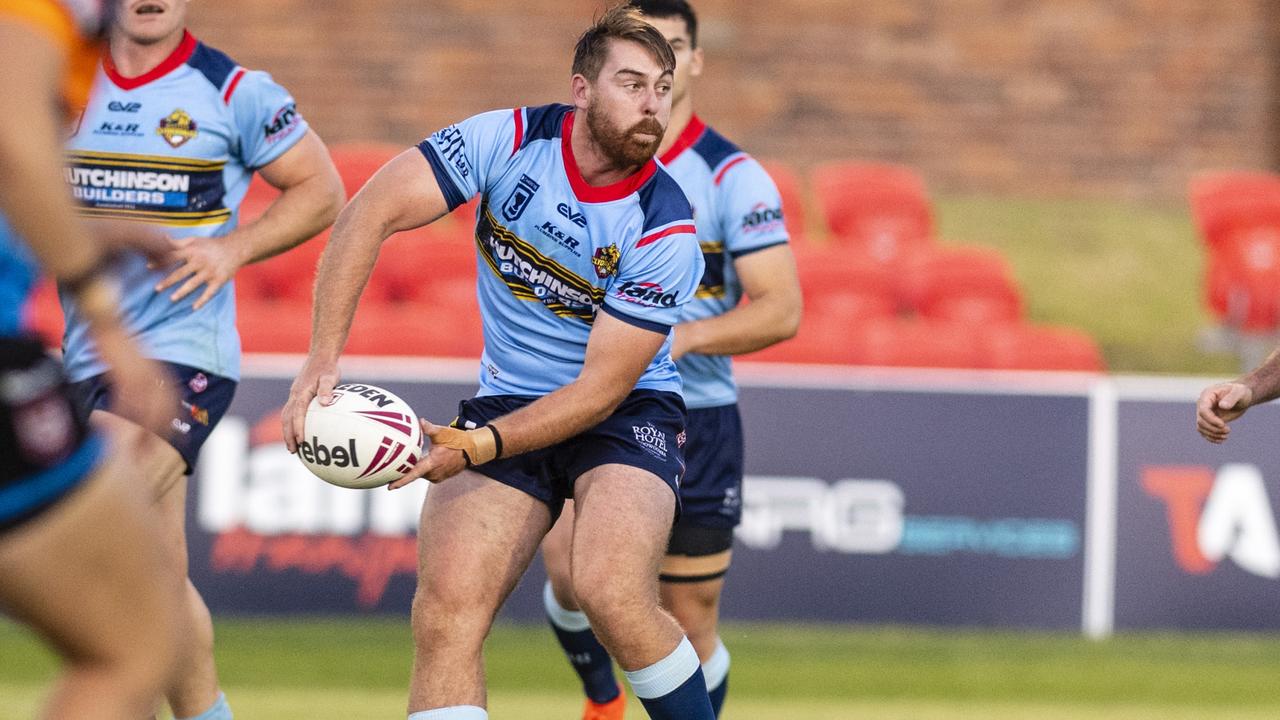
(1225,203)
(414,328)
(281,325)
(853,287)
(793,197)
(288,275)
(1039,347)
(881,209)
(964,284)
(1238,217)
(357,162)
(1243,279)
(423,265)
(916,342)
(880,342)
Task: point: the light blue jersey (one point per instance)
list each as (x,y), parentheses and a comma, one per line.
(176,147)
(553,250)
(738,211)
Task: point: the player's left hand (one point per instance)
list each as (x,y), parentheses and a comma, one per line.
(211,262)
(447,456)
(1218,405)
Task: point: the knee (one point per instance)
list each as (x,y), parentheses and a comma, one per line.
(561,583)
(697,610)
(605,597)
(447,618)
(137,672)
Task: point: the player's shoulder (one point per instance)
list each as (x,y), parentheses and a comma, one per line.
(234,82)
(663,202)
(725,159)
(541,122)
(214,65)
(714,148)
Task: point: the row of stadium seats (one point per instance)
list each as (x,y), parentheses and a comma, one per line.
(1238,217)
(879,291)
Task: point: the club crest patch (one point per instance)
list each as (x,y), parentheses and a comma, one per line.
(606,260)
(177,128)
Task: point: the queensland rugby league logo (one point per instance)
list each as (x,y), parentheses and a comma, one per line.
(606,260)
(177,128)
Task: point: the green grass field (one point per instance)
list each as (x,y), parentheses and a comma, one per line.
(1127,273)
(353,669)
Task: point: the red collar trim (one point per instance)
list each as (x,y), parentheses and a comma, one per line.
(179,56)
(591,193)
(688,137)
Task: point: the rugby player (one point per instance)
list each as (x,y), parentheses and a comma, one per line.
(587,252)
(738,213)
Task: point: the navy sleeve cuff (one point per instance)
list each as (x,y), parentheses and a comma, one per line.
(748,251)
(452,194)
(659,328)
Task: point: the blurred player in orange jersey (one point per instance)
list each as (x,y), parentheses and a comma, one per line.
(173,134)
(738,213)
(80,554)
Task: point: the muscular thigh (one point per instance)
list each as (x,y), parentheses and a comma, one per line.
(85,574)
(476,538)
(622,520)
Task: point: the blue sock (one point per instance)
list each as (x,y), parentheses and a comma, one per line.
(716,672)
(588,657)
(220,710)
(457,712)
(673,688)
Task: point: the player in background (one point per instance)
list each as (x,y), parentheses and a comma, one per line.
(738,213)
(1222,403)
(80,559)
(586,253)
(172,136)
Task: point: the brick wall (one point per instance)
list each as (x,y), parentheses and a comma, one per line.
(1044,97)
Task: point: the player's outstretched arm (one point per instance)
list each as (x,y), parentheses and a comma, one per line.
(617,355)
(311,195)
(770,282)
(1222,403)
(402,195)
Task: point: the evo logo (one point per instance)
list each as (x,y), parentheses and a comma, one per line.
(1216,516)
(575,217)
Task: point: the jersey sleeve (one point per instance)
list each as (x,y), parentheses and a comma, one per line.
(266,117)
(466,156)
(658,273)
(752,217)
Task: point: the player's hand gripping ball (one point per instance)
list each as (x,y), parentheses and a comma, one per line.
(366,438)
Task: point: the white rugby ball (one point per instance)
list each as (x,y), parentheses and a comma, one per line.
(366,438)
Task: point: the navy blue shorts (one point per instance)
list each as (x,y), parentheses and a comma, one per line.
(203,398)
(646,431)
(711,493)
(46,452)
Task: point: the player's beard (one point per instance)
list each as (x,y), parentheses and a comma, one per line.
(624,148)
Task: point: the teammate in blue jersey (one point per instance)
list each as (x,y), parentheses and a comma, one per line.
(587,254)
(80,556)
(739,220)
(171,137)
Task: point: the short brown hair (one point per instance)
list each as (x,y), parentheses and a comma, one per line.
(620,22)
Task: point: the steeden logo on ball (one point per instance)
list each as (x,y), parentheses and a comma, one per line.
(365,438)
